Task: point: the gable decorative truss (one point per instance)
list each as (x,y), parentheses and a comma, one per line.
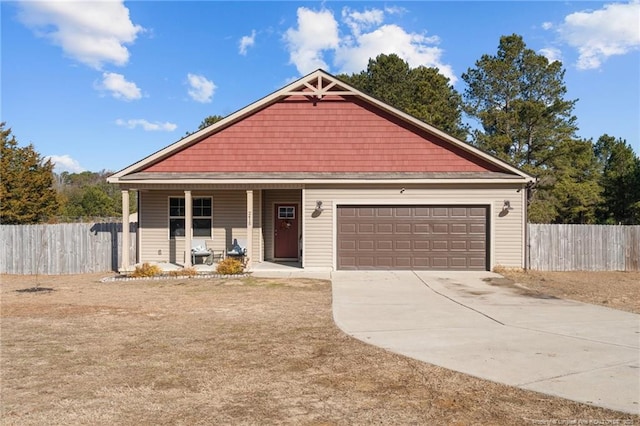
(315,86)
(319,86)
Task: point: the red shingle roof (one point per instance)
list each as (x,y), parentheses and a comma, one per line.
(334,134)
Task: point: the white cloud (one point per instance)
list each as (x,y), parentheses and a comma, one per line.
(247,42)
(551,53)
(365,36)
(93,33)
(394,10)
(201,90)
(416,49)
(359,21)
(547,25)
(598,34)
(64,163)
(119,87)
(317,32)
(147,125)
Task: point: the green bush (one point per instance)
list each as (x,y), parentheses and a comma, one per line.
(146,270)
(230,266)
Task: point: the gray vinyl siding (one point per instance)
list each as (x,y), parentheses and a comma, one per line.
(229,222)
(153,227)
(318,229)
(271,198)
(505,235)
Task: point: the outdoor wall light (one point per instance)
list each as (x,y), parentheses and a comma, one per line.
(507,206)
(319,206)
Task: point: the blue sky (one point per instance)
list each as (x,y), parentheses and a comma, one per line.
(99,85)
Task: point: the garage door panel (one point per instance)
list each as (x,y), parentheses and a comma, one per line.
(365,212)
(412,237)
(384,212)
(347,212)
(477,263)
(384,228)
(383,262)
(348,262)
(458,262)
(440,228)
(365,261)
(459,228)
(403,228)
(421,228)
(421,245)
(385,245)
(365,228)
(440,262)
(348,228)
(477,228)
(366,245)
(347,245)
(477,246)
(421,212)
(479,212)
(459,212)
(440,245)
(440,212)
(420,262)
(403,212)
(459,245)
(403,245)
(404,262)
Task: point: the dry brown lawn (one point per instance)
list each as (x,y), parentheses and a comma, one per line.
(227,351)
(618,290)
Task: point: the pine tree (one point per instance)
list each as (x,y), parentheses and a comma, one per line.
(518,98)
(26,183)
(421,92)
(620,168)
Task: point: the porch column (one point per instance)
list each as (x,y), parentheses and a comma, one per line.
(188,228)
(124,262)
(249,228)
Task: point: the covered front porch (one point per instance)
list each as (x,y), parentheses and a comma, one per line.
(266,222)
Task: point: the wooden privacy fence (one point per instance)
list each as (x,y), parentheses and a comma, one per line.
(77,248)
(584,247)
(65,248)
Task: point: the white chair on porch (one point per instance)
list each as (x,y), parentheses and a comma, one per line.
(199,250)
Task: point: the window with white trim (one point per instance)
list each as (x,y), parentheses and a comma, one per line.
(201,216)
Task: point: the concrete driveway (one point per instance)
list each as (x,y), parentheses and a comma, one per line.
(456,320)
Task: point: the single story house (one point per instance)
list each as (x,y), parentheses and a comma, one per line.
(321,173)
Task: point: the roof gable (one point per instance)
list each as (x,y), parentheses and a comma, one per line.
(319,124)
(336,134)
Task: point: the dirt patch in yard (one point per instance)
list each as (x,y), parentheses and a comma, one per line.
(216,351)
(619,290)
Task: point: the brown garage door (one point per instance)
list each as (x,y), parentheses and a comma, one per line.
(412,237)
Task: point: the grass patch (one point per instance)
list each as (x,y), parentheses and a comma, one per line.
(225,351)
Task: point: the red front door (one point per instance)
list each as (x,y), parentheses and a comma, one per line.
(285,237)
